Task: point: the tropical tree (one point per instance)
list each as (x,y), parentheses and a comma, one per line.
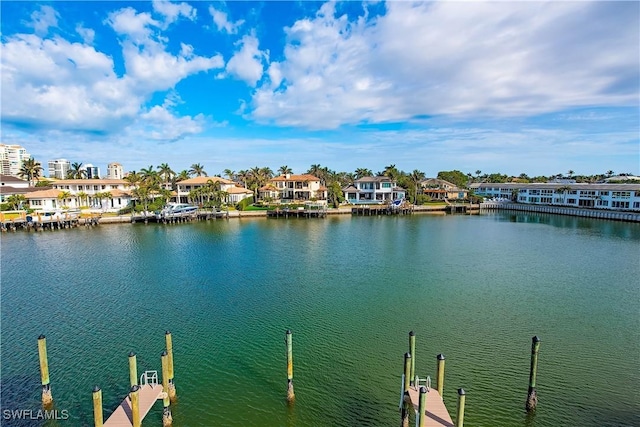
(149,176)
(63,196)
(478,173)
(362,172)
(133,178)
(283,170)
(570,173)
(15,201)
(197,170)
(30,170)
(609,173)
(166,173)
(230,174)
(76,171)
(392,172)
(182,176)
(415,177)
(82,196)
(563,190)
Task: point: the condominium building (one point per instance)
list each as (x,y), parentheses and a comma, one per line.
(115,171)
(59,168)
(596,196)
(93,172)
(11,159)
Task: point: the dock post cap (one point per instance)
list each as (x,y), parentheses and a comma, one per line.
(535,338)
(167,332)
(423,390)
(461,391)
(96,389)
(407,355)
(131,354)
(41,337)
(411,333)
(135,388)
(288,332)
(164,353)
(440,356)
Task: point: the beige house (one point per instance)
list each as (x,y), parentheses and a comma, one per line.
(439,189)
(290,188)
(188,185)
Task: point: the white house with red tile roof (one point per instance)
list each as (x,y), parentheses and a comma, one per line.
(188,185)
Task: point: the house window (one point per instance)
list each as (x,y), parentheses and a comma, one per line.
(636,205)
(604,193)
(36,202)
(603,203)
(114,187)
(95,188)
(386,185)
(623,205)
(571,201)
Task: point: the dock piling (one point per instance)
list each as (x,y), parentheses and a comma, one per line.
(422,407)
(532,396)
(404,413)
(97,407)
(169,344)
(167,419)
(460,417)
(134,395)
(440,374)
(47,399)
(133,370)
(412,351)
(288,340)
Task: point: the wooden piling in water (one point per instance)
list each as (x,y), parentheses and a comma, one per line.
(412,351)
(167,419)
(532,396)
(288,339)
(169,344)
(134,395)
(133,369)
(404,412)
(47,398)
(440,374)
(98,419)
(422,407)
(460,416)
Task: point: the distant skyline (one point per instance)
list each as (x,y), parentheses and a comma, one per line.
(510,87)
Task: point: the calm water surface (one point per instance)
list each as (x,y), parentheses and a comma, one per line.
(473,288)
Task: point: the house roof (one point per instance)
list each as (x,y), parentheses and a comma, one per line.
(350,189)
(43,194)
(398,189)
(268,187)
(238,190)
(304,177)
(119,193)
(10,179)
(204,179)
(322,188)
(9,189)
(374,179)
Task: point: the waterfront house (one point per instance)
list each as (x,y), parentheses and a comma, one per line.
(106,194)
(374,190)
(439,189)
(294,188)
(10,185)
(596,196)
(235,193)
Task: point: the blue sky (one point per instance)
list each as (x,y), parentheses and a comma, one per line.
(510,87)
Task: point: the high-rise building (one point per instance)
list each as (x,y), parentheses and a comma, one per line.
(11,159)
(59,168)
(115,171)
(93,172)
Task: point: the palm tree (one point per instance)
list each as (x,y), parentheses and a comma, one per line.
(30,170)
(563,190)
(82,196)
(229,173)
(609,173)
(63,196)
(283,170)
(76,171)
(416,176)
(165,172)
(197,170)
(570,173)
(149,176)
(15,201)
(133,178)
(182,176)
(478,173)
(392,172)
(362,172)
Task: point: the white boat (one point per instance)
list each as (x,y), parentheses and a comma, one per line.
(177,210)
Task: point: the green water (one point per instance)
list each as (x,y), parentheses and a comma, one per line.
(473,288)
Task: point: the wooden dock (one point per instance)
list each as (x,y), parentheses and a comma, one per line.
(121,417)
(297,213)
(370,210)
(436,413)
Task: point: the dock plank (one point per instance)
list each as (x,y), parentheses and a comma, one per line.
(436,414)
(121,417)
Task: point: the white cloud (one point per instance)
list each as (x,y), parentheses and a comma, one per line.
(172,11)
(221,20)
(160,124)
(246,63)
(87,34)
(128,22)
(453,58)
(42,19)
